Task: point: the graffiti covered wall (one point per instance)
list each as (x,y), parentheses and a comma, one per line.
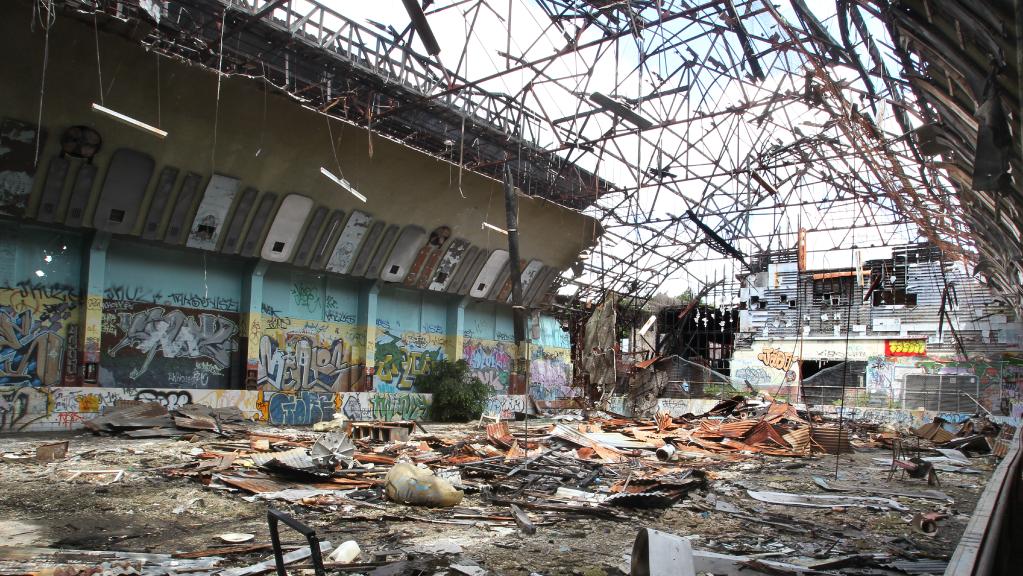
(38,325)
(309,356)
(550,374)
(162,346)
(403,356)
(491,361)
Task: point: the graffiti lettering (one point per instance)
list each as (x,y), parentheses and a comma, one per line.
(304,364)
(401,359)
(31,349)
(505,406)
(296,408)
(205,302)
(19,407)
(306,297)
(176,335)
(491,364)
(274,320)
(172,399)
(550,375)
(777,359)
(755,375)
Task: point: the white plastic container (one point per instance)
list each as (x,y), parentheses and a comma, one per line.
(345,553)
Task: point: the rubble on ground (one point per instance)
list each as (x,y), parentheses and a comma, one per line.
(750,480)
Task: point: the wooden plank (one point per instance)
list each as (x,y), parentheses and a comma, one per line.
(426,273)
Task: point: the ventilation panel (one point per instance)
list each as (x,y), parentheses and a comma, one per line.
(124,188)
(488,275)
(282,239)
(409,243)
(482,257)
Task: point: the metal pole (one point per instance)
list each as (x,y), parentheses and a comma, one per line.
(511,207)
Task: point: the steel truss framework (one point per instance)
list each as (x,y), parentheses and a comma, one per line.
(692,130)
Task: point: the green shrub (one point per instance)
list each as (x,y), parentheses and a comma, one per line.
(458,396)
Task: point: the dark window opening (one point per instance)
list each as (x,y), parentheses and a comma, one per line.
(441,277)
(833,291)
(278,247)
(481,287)
(395,269)
(116,215)
(893,297)
(205,230)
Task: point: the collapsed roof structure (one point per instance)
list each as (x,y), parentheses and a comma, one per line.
(694,131)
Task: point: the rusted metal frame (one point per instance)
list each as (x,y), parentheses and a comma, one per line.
(547,58)
(866,152)
(472,27)
(378,59)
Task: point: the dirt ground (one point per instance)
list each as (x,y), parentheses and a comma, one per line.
(147,511)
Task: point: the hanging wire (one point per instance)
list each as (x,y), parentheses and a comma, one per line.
(220,77)
(99,66)
(46,24)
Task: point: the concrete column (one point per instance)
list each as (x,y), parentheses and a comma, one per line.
(368,294)
(95,270)
(455,343)
(252,320)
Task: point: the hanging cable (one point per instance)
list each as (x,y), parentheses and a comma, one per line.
(46,23)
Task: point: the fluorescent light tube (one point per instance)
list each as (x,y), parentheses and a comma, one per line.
(342,183)
(494,228)
(129,121)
